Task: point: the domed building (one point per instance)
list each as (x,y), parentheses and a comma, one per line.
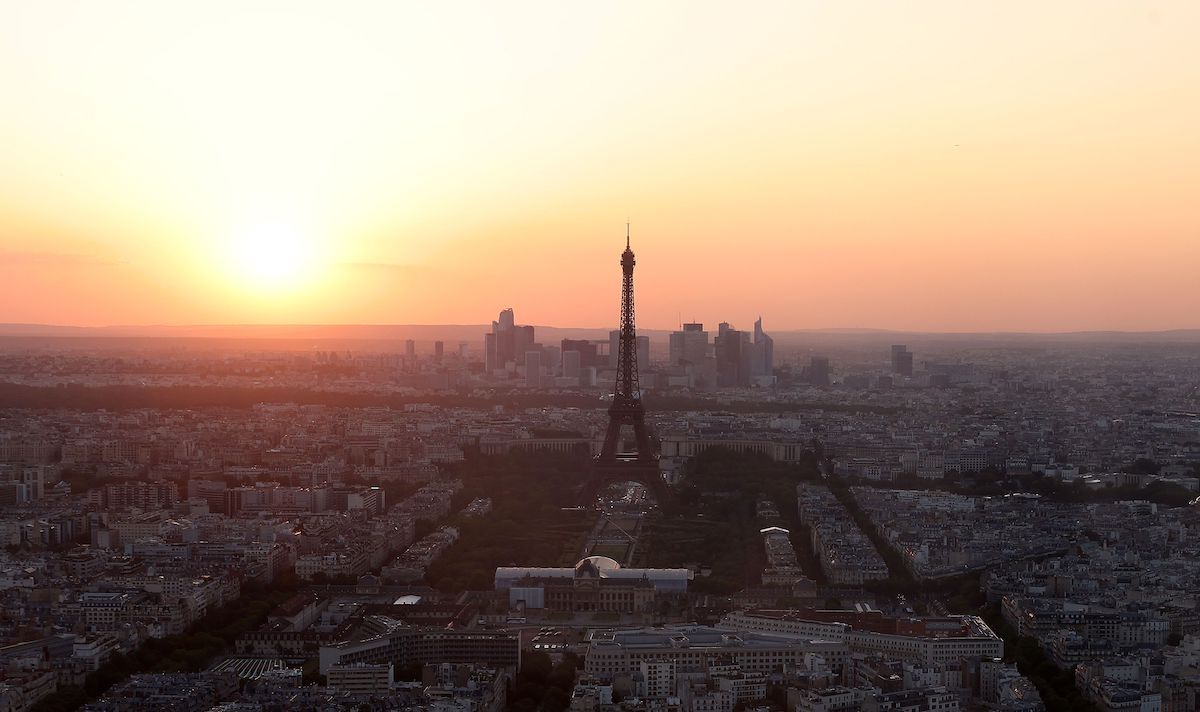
(594,584)
(597,566)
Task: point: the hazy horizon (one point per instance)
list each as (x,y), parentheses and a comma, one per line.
(16,328)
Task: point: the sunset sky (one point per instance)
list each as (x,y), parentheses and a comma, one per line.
(925,165)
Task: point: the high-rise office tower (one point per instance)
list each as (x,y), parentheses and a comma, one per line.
(902,360)
(733,352)
(675,348)
(745,358)
(489,352)
(586,349)
(439,349)
(689,346)
(533,368)
(410,348)
(690,351)
(726,351)
(551,358)
(763,362)
(571,364)
(587,376)
(507,342)
(522,341)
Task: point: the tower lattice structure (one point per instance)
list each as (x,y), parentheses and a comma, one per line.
(627,408)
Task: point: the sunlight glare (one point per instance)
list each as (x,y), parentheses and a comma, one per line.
(274,254)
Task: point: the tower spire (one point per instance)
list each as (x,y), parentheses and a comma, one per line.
(614,463)
(627,394)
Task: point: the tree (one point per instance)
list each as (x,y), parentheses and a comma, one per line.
(536,666)
(555,700)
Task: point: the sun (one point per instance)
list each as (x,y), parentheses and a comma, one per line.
(273,255)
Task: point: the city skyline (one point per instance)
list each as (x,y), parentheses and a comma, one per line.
(320,388)
(928,167)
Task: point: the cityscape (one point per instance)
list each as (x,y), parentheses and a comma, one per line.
(497,526)
(333,376)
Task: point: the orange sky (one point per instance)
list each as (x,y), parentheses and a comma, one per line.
(928,165)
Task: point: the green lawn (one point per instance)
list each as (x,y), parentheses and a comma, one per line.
(615,552)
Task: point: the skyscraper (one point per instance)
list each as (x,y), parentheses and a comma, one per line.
(689,346)
(571,364)
(489,352)
(439,349)
(410,348)
(733,352)
(506,343)
(902,360)
(690,358)
(506,321)
(552,358)
(586,349)
(533,368)
(522,341)
(762,364)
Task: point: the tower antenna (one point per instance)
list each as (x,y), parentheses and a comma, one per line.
(613,463)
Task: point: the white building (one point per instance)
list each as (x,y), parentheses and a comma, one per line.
(935,641)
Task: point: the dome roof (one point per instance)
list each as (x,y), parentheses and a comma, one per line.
(596,565)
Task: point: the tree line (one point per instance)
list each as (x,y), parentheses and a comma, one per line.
(192,651)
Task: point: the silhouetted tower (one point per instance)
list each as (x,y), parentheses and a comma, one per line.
(611,465)
(627,408)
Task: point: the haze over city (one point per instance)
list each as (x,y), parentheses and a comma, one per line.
(930,166)
(613,357)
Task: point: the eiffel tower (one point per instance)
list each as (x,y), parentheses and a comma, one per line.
(613,464)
